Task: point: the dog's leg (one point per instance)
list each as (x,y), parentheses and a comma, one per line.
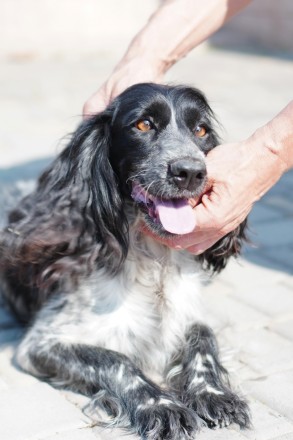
(115,383)
(204,382)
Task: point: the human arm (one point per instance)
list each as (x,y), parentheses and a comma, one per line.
(172,31)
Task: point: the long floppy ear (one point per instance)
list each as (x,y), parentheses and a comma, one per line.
(75,218)
(216,258)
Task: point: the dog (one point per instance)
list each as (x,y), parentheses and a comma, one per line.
(107,307)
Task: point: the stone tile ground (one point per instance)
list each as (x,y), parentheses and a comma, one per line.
(250,305)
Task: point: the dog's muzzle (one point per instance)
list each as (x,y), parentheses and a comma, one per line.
(174,215)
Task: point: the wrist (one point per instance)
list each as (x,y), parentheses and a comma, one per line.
(140,52)
(143,63)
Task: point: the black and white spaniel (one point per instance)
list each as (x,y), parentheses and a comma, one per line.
(109,308)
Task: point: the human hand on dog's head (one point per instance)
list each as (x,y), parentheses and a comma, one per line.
(127,73)
(156,47)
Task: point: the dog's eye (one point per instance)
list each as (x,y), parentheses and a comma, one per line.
(144,125)
(200,131)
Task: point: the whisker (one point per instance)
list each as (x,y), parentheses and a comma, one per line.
(134,176)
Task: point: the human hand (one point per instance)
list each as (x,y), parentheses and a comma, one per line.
(127,73)
(238,175)
(157,47)
(231,191)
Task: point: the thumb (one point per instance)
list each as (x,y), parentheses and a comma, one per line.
(203,212)
(206,227)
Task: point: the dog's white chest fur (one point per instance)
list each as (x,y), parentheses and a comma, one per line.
(143,312)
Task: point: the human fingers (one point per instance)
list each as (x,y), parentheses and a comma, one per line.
(127,73)
(96,103)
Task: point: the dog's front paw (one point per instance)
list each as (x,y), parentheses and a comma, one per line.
(220,408)
(165,419)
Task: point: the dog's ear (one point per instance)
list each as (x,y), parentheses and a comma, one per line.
(216,258)
(76,215)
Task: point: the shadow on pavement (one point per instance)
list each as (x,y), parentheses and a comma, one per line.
(16,182)
(26,171)
(271,226)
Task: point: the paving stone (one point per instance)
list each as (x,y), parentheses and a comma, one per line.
(217,285)
(10,336)
(12,375)
(233,313)
(262,214)
(115,433)
(282,254)
(288,281)
(77,399)
(266,423)
(275,233)
(78,434)
(238,370)
(277,202)
(218,288)
(288,178)
(283,188)
(276,391)
(272,300)
(283,327)
(262,350)
(248,274)
(220,434)
(3,384)
(36,412)
(263,257)
(6,319)
(284,437)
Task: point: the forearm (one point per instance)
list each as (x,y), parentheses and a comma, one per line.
(269,151)
(173,30)
(277,137)
(177,27)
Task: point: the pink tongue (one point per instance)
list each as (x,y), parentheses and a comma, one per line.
(176,216)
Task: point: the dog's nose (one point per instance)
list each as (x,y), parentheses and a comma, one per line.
(187,174)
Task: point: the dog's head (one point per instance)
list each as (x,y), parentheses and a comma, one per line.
(160,136)
(147,148)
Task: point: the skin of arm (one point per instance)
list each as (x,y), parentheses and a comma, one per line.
(172,31)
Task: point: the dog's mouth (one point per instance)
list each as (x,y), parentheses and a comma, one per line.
(174,215)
